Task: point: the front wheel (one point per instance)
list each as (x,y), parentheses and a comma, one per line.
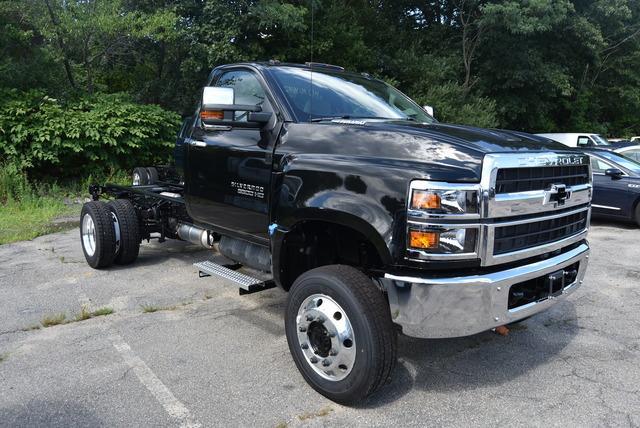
(340,332)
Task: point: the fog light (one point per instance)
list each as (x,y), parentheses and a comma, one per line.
(424,239)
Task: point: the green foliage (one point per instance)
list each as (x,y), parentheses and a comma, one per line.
(46,136)
(535,65)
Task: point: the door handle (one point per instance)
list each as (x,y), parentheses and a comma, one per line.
(198,143)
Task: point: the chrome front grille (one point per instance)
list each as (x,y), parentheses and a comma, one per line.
(525,179)
(527,235)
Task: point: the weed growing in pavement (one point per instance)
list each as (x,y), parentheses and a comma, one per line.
(148,309)
(84,314)
(102,312)
(51,320)
(32,327)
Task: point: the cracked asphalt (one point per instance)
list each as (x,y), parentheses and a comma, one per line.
(210,357)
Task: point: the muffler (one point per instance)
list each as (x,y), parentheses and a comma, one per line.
(195,235)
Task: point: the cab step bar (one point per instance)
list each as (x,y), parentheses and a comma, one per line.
(247,284)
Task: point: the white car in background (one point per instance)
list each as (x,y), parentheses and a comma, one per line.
(578,139)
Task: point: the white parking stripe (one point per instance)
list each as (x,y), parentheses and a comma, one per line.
(169,402)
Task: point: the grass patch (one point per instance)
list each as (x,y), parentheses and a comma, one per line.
(84,314)
(28,209)
(32,327)
(102,312)
(148,309)
(51,320)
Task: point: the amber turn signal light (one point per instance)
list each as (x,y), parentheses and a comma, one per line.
(425,200)
(211,115)
(424,240)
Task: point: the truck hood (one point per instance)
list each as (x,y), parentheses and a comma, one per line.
(479,139)
(431,151)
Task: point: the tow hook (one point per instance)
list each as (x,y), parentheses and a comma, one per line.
(502,330)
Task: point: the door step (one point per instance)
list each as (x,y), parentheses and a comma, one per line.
(247,284)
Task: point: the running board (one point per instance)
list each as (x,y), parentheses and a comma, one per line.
(247,284)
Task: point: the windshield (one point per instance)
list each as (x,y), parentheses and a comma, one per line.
(343,95)
(600,140)
(623,161)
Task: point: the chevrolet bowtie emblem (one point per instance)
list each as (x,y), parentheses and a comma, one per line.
(558,193)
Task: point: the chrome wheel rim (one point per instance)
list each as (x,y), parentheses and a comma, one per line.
(136,179)
(88,235)
(326,337)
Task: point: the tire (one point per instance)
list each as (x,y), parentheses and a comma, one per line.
(140,176)
(636,216)
(97,234)
(128,239)
(360,358)
(153,175)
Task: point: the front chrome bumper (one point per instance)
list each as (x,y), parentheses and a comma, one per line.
(434,307)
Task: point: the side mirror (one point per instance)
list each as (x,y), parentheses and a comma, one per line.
(614,173)
(429,110)
(219,111)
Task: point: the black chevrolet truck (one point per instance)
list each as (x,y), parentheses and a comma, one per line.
(374,217)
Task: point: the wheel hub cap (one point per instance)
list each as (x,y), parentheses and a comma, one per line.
(326,337)
(88,235)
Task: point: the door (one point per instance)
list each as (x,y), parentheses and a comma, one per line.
(610,196)
(229,171)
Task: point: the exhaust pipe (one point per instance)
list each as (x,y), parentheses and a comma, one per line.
(195,235)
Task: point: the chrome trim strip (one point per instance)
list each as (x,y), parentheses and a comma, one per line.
(531,202)
(605,207)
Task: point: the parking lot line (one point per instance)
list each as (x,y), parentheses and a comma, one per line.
(165,397)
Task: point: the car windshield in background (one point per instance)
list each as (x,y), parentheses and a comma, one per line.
(342,95)
(600,140)
(623,161)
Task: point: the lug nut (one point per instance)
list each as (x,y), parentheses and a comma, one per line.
(309,318)
(320,320)
(332,334)
(313,360)
(305,346)
(302,329)
(326,363)
(333,352)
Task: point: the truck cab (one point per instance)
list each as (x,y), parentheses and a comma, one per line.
(372,215)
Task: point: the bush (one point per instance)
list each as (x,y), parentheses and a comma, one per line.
(94,134)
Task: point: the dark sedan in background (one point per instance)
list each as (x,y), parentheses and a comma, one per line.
(616,185)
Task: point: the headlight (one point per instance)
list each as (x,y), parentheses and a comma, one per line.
(443,240)
(442,201)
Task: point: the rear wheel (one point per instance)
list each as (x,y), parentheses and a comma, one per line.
(637,214)
(97,234)
(340,332)
(127,229)
(153,175)
(140,176)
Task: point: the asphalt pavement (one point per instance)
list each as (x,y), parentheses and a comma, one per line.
(209,357)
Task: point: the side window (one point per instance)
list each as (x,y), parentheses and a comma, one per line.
(247,88)
(600,166)
(633,154)
(584,141)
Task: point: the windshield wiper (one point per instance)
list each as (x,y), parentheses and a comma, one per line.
(328,118)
